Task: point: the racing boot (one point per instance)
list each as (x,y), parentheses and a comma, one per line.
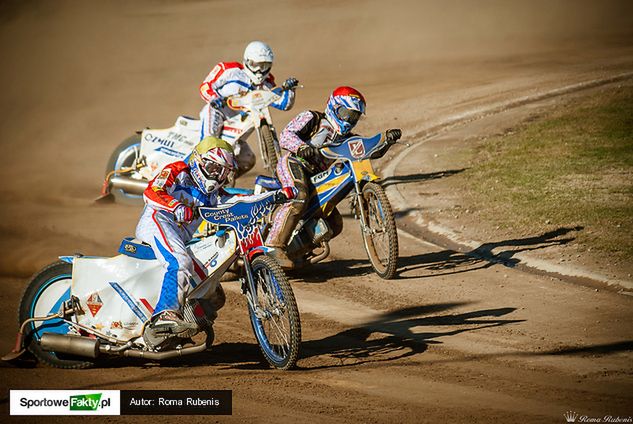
(171,322)
(166,325)
(281,257)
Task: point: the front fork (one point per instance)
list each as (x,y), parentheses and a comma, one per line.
(249,288)
(358,205)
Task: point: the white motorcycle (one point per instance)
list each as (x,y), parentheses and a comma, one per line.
(140,157)
(83,307)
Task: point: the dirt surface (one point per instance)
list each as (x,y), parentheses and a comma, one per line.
(453,338)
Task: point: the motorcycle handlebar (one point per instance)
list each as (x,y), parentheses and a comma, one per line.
(380,153)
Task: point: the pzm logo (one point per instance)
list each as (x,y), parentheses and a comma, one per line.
(130,248)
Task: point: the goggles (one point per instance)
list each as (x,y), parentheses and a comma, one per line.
(261,67)
(348,115)
(214,171)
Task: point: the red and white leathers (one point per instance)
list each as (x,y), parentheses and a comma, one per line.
(308,128)
(172,187)
(227,79)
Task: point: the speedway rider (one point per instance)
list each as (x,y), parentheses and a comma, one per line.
(302,139)
(229,78)
(168,222)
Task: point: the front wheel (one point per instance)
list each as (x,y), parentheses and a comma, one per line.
(268,149)
(276,324)
(44,296)
(380,234)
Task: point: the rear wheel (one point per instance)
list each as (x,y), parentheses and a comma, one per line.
(276,324)
(268,149)
(123,157)
(380,236)
(44,295)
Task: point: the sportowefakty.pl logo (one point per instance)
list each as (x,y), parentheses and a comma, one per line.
(85,402)
(64,402)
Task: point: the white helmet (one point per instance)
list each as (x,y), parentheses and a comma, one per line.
(258,59)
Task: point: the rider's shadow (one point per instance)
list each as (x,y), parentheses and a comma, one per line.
(397,334)
(441,262)
(484,256)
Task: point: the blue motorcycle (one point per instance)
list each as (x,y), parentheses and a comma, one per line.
(350,172)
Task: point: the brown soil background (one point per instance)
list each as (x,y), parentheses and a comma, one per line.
(453,339)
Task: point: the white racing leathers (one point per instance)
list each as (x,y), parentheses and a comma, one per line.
(172,187)
(228,79)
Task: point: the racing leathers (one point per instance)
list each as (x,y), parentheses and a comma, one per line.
(158,227)
(301,139)
(227,79)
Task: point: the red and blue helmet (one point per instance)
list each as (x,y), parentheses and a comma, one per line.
(344,109)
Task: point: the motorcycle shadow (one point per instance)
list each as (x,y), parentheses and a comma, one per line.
(441,262)
(398,334)
(448,261)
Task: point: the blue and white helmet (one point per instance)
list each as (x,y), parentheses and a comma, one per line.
(344,109)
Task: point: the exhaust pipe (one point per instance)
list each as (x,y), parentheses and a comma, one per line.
(87,347)
(159,356)
(322,255)
(127,184)
(73,345)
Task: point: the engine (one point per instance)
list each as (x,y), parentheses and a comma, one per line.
(313,233)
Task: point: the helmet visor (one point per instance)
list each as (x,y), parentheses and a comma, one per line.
(261,67)
(348,115)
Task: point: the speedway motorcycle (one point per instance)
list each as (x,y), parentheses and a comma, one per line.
(140,157)
(351,172)
(83,308)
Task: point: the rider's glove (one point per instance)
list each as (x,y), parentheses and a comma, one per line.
(285,194)
(393,135)
(290,83)
(289,192)
(217,103)
(307,152)
(183,214)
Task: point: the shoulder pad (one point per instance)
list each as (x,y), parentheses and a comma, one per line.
(230,65)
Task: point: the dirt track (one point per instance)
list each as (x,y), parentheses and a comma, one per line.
(452,339)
